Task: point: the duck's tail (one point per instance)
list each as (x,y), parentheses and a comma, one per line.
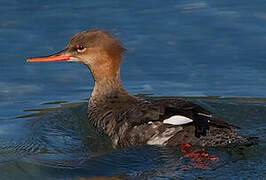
(222,134)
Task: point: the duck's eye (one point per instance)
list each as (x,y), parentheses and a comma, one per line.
(80,48)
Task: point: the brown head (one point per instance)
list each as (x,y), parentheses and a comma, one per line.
(96,49)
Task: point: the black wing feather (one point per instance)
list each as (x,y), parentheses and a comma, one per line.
(200,116)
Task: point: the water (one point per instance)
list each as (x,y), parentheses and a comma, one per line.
(213,52)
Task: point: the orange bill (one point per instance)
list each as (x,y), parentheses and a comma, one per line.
(50,58)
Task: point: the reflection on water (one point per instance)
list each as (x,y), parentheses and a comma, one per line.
(60,139)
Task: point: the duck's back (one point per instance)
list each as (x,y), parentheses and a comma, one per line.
(131,121)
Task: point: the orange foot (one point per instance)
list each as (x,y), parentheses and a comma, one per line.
(200,158)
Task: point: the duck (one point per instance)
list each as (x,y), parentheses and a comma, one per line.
(131,120)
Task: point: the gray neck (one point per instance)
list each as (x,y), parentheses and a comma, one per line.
(106,88)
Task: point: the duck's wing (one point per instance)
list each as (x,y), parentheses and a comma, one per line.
(200,117)
(170,111)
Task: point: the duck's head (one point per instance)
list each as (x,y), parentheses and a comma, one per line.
(96,49)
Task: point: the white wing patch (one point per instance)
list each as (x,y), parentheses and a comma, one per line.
(177,120)
(206,115)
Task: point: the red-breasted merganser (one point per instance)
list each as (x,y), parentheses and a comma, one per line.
(130,120)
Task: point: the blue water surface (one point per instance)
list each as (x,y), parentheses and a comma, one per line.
(212,52)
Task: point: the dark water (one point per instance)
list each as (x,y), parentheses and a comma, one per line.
(188,48)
